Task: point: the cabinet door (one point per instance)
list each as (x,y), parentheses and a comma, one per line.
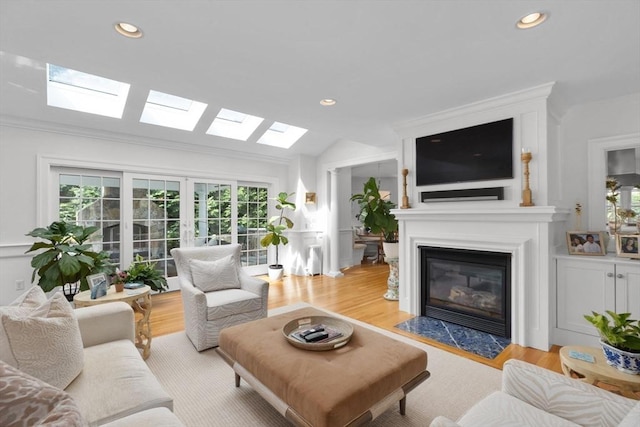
(583,286)
(628,290)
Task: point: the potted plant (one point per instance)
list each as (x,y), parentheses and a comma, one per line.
(66,260)
(613,192)
(145,272)
(275,231)
(375,214)
(620,339)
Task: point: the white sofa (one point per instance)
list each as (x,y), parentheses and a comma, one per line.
(533,396)
(114,387)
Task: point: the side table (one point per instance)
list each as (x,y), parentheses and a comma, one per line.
(138,299)
(599,372)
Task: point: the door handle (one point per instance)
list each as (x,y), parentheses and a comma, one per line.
(609,274)
(619,276)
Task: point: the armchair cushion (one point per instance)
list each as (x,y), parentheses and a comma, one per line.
(231,301)
(53,330)
(210,276)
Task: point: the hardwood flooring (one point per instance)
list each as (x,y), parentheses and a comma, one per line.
(358,295)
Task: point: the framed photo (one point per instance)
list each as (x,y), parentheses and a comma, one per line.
(627,245)
(97,279)
(586,243)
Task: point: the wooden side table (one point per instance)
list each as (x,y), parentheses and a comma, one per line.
(138,299)
(599,372)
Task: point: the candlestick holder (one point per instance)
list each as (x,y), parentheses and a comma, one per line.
(526,192)
(405,199)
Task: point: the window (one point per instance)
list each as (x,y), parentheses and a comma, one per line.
(93,200)
(156,222)
(212,214)
(74,90)
(252,223)
(234,125)
(171,111)
(281,135)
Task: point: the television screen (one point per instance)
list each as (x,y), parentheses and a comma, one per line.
(477,153)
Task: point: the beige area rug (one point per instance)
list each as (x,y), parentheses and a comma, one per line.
(203,388)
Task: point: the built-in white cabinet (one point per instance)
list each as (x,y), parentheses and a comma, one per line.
(588,283)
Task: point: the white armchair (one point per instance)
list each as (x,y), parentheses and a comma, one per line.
(533,396)
(216,292)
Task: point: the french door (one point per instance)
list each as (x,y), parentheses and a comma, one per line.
(143,216)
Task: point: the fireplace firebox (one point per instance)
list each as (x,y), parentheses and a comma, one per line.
(467,287)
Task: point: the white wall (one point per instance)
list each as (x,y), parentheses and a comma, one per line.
(607,118)
(21,150)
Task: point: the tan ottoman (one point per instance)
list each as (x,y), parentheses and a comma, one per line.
(347,386)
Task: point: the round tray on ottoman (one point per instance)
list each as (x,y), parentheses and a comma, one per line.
(338,330)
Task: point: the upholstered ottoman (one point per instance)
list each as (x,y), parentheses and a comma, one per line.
(350,385)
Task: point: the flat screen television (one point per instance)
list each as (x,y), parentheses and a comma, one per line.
(477,153)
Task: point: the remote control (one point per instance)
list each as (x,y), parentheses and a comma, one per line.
(313,330)
(316,336)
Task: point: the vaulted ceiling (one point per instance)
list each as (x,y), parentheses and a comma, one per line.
(383,61)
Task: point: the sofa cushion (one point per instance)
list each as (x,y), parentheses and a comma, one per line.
(115,383)
(209,276)
(27,401)
(502,409)
(45,342)
(231,301)
(23,305)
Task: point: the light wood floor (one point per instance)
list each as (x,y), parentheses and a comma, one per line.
(358,295)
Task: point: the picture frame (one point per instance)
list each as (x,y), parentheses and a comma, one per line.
(310,198)
(97,279)
(628,245)
(587,243)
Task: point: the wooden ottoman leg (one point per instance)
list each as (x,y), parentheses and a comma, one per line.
(237,380)
(403,405)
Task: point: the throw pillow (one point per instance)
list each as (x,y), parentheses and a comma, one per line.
(46,343)
(28,401)
(216,275)
(23,305)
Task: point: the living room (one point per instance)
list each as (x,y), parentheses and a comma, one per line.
(572,86)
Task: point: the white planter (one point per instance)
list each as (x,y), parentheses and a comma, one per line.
(622,360)
(275,273)
(391,249)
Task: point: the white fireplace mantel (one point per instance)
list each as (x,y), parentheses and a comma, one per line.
(525,233)
(484,214)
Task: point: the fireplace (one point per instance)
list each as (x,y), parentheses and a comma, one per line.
(467,287)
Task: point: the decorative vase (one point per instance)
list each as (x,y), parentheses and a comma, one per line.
(624,361)
(391,249)
(275,273)
(393,280)
(119,287)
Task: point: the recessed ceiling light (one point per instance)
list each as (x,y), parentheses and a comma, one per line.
(531,20)
(128,30)
(327,102)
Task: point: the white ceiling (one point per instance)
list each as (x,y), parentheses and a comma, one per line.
(384,61)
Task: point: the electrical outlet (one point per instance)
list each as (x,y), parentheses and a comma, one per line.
(19,285)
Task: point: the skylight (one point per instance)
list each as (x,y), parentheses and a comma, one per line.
(171,111)
(281,135)
(75,90)
(235,125)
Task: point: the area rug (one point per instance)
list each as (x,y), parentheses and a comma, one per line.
(203,388)
(467,339)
